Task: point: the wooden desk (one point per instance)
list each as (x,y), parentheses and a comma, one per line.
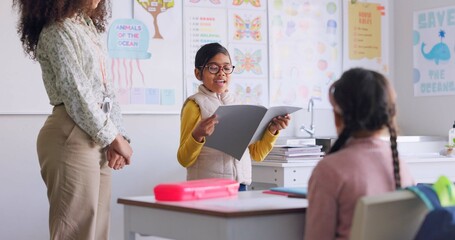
(250,215)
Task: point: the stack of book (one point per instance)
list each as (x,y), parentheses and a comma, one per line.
(294,153)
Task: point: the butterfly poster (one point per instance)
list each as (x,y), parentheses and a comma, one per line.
(247,26)
(252,92)
(250,60)
(248,4)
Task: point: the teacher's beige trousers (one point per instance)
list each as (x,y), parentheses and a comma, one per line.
(78,180)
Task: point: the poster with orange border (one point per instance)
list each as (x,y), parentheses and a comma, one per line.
(366,35)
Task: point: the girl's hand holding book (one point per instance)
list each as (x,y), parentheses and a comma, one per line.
(279,123)
(205,128)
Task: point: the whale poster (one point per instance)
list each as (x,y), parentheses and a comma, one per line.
(434,52)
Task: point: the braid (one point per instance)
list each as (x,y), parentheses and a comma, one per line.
(339,143)
(396,163)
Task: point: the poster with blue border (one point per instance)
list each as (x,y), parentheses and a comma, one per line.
(434,52)
(145,56)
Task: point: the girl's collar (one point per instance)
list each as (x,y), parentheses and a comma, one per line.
(204,89)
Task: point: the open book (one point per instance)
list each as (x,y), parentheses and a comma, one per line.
(241,125)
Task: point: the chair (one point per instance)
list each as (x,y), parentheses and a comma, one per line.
(391,216)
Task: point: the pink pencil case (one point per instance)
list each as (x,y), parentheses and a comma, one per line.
(196,189)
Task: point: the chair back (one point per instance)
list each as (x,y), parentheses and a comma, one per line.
(392,216)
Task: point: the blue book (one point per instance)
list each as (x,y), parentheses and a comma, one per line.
(291,191)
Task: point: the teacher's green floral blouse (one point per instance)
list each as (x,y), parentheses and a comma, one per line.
(72,58)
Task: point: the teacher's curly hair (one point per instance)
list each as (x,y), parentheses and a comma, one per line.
(37,14)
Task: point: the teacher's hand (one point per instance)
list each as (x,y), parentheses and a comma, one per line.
(122,147)
(115,160)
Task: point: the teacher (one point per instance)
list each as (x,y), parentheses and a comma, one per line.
(83,138)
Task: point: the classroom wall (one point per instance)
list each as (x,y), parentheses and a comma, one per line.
(23,202)
(417,115)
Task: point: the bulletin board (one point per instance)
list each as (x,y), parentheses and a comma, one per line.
(285,51)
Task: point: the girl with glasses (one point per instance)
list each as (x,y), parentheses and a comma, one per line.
(213,67)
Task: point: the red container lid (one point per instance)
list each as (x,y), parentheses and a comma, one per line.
(196,189)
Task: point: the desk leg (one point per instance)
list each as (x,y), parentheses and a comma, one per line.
(128,234)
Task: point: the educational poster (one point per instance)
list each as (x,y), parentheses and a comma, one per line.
(250,91)
(366,39)
(249,4)
(202,25)
(434,50)
(247,25)
(240,26)
(145,52)
(250,60)
(305,50)
(248,49)
(249,79)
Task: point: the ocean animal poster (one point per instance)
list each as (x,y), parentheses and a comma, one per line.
(434,52)
(144,51)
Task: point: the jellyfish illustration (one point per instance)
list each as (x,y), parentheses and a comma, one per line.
(127,42)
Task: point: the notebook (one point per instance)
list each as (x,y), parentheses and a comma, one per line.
(289,191)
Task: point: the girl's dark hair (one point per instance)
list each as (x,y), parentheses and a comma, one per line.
(365,100)
(37,14)
(207,52)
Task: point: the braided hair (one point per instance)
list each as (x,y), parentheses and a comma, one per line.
(365,100)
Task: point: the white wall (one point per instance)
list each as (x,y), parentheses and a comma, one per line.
(417,115)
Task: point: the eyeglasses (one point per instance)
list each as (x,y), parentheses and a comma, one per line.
(215,68)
